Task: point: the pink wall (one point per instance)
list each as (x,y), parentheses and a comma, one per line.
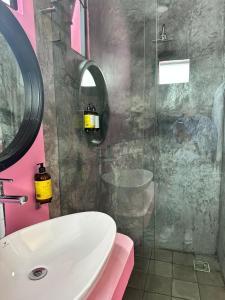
(23,171)
(75,30)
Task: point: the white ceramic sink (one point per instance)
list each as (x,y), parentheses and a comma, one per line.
(73,249)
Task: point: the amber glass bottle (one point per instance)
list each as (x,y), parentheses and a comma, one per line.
(43,185)
(89,119)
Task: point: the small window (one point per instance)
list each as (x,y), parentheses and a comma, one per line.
(174,71)
(11,3)
(79,27)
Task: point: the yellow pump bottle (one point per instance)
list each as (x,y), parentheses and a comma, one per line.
(43,185)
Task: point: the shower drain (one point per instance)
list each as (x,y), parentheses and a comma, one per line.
(201,266)
(38,273)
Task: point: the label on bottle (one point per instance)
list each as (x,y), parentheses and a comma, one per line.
(96,122)
(43,189)
(89,121)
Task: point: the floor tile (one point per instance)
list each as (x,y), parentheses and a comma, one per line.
(185,259)
(137,280)
(133,294)
(151,296)
(185,290)
(158,284)
(212,278)
(212,292)
(162,255)
(141,264)
(160,268)
(184,273)
(143,251)
(211,259)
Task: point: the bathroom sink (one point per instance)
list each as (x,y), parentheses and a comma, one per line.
(58,259)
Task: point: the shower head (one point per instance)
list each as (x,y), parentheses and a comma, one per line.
(163,36)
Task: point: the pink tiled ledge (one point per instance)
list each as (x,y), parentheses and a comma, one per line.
(113,281)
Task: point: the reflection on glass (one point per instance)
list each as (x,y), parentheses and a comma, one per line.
(12,95)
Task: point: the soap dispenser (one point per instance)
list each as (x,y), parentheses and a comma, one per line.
(89,119)
(96,118)
(43,185)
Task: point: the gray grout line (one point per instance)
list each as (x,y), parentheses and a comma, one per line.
(146,274)
(199,291)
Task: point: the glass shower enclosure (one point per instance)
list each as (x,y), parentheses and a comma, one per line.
(160,166)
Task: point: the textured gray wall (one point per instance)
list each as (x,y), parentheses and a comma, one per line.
(71,161)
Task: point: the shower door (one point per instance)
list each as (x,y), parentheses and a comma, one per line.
(190,86)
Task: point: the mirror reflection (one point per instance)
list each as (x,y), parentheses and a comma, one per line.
(89,91)
(12,95)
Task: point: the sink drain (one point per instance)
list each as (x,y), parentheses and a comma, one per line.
(38,273)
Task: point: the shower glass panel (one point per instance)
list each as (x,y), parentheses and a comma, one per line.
(127,154)
(189,125)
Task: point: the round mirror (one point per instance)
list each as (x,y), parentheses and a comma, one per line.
(93,94)
(12,95)
(21,90)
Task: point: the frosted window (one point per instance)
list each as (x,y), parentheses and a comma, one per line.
(174,71)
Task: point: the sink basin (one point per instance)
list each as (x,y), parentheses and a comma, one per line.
(58,259)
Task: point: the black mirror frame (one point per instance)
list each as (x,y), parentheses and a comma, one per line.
(101,84)
(33,86)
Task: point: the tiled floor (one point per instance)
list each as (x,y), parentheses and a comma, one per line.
(169,275)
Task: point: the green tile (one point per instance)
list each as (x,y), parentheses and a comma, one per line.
(143,251)
(137,280)
(184,273)
(212,292)
(158,285)
(185,290)
(185,259)
(152,296)
(160,268)
(141,264)
(212,278)
(133,294)
(162,255)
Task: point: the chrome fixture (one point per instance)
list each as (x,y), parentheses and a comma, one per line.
(163,35)
(48,10)
(38,273)
(10,198)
